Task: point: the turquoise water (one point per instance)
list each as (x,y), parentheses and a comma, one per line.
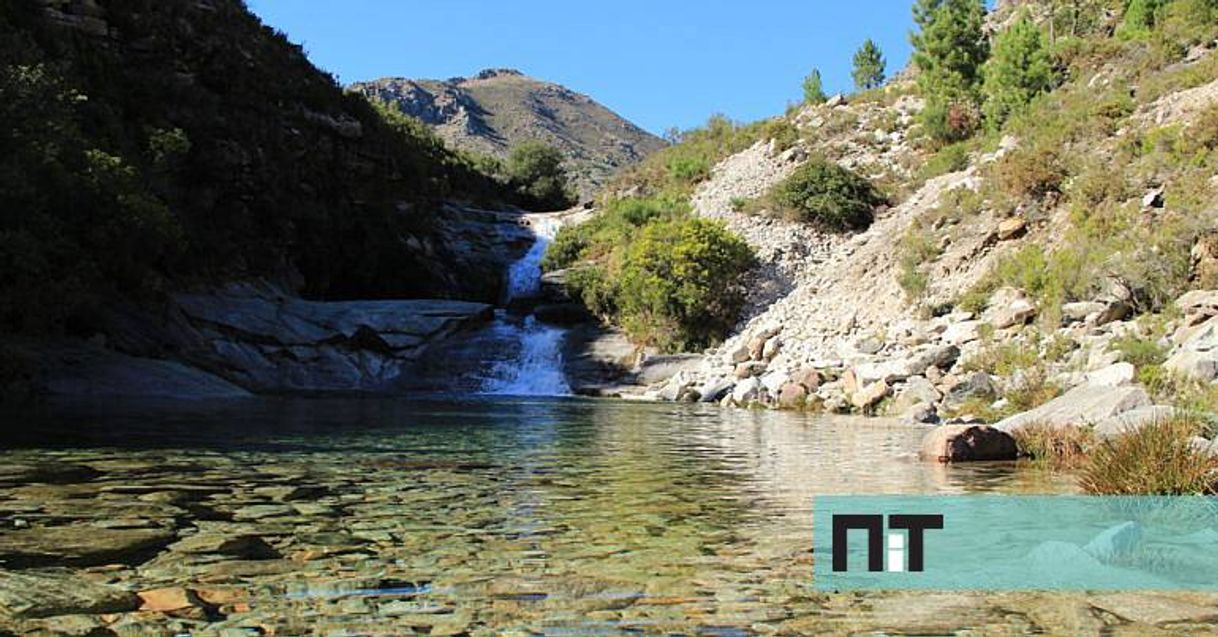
(479,516)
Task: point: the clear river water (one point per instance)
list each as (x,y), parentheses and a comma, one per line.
(480,515)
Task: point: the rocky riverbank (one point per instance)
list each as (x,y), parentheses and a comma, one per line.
(261,337)
(833,323)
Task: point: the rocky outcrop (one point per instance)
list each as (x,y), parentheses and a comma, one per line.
(268,342)
(1085,405)
(256,338)
(499,108)
(87,371)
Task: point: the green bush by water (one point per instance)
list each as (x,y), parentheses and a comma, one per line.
(670,279)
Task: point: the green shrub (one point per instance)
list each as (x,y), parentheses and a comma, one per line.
(1140,352)
(823,193)
(1002,359)
(950,121)
(917,247)
(1033,390)
(781,131)
(536,172)
(616,225)
(1138,18)
(949,159)
(689,169)
(680,283)
(1157,459)
(671,280)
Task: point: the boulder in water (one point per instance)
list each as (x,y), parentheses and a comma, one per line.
(965,443)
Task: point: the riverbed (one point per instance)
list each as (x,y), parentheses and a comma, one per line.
(487,515)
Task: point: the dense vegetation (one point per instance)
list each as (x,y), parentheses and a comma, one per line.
(192,143)
(671,280)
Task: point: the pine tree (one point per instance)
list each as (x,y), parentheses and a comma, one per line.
(923,13)
(951,48)
(1139,17)
(868,66)
(814,92)
(949,52)
(1019,70)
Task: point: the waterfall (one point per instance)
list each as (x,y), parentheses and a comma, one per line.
(537,369)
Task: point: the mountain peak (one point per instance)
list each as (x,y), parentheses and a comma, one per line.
(498,108)
(487,74)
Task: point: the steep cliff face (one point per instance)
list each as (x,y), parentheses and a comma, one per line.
(153,144)
(498,108)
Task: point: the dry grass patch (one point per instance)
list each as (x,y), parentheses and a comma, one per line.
(1157,459)
(1059,446)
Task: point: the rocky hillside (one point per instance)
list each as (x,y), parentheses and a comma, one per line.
(1056,264)
(496,109)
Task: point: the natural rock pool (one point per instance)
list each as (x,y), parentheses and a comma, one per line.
(477,516)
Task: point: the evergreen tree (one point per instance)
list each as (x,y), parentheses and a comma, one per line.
(1019,70)
(923,13)
(814,92)
(1139,18)
(868,66)
(949,52)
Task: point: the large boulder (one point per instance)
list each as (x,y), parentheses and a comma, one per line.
(1079,311)
(899,369)
(809,377)
(1083,405)
(657,369)
(1133,420)
(774,380)
(967,443)
(1199,304)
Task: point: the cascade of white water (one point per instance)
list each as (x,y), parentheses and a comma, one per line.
(538,368)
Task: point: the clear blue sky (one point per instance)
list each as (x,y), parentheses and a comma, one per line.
(659,63)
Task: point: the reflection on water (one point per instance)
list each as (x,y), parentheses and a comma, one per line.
(447,517)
